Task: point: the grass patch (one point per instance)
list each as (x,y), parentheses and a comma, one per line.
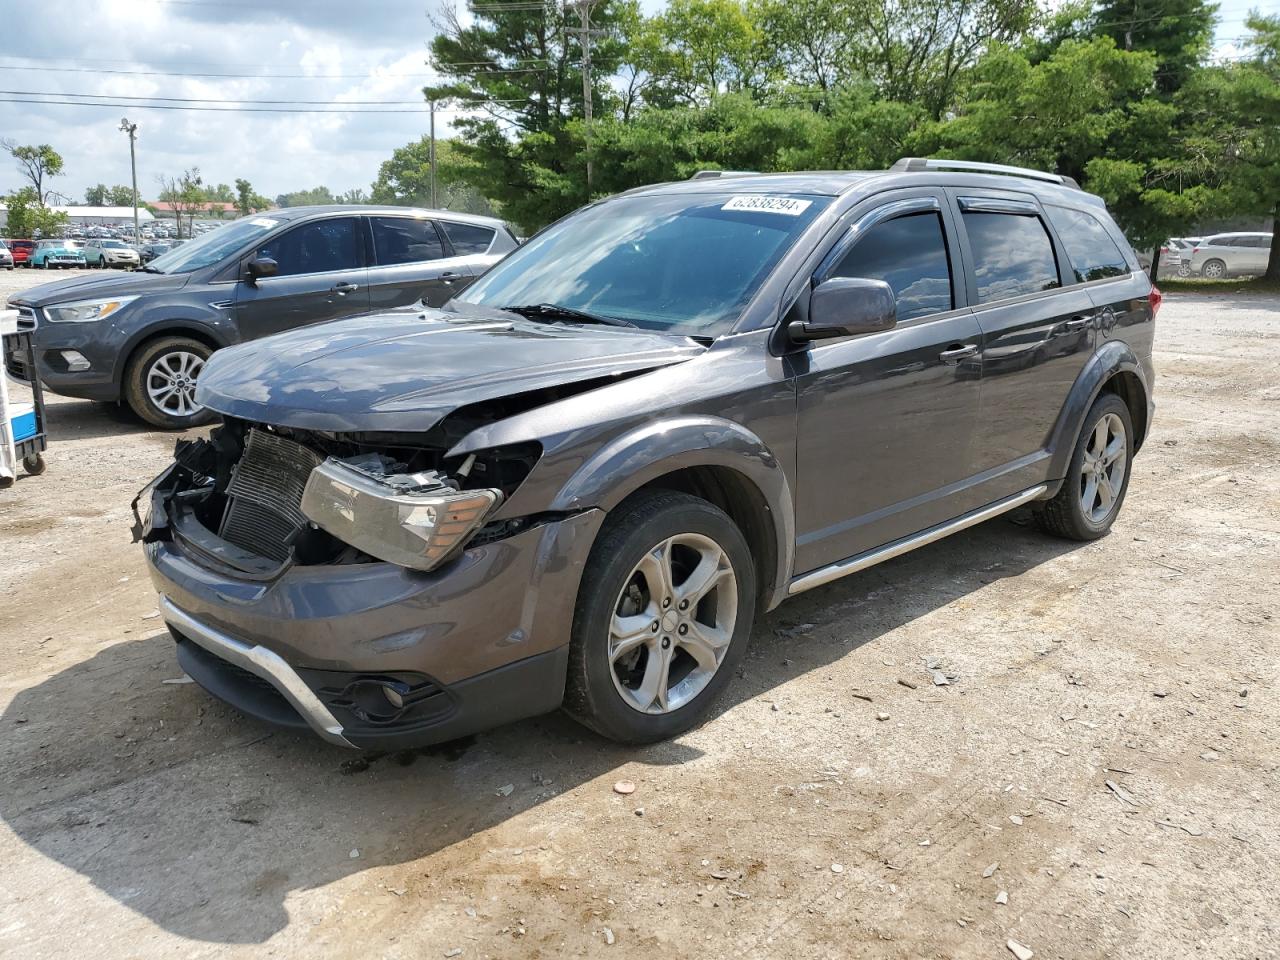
(1196,285)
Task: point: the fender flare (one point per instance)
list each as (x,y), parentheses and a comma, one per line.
(1112,358)
(648,452)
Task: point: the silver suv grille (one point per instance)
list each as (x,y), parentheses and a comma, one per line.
(265,508)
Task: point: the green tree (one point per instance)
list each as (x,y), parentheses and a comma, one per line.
(306,198)
(1178,32)
(96,196)
(120,196)
(28,217)
(36,164)
(221,193)
(186,194)
(248,200)
(405,179)
(697,50)
(356,195)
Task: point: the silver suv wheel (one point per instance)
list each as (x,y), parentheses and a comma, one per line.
(171,383)
(1102,468)
(673,623)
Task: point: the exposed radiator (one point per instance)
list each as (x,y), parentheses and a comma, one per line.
(265,506)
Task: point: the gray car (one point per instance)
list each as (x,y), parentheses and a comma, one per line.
(144,337)
(1231,255)
(579,482)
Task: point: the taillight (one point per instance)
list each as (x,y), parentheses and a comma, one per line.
(1156,299)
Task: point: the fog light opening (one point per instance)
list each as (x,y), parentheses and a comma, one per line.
(75,360)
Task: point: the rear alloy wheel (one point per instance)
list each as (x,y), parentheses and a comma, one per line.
(1090,497)
(1213,270)
(663,617)
(161,383)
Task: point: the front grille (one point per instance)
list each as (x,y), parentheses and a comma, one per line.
(264,511)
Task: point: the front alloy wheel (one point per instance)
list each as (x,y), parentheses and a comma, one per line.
(662,618)
(673,623)
(171,383)
(160,384)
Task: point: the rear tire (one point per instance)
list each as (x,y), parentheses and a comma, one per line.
(1091,496)
(159,383)
(676,563)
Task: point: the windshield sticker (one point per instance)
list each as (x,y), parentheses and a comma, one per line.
(264,222)
(787,206)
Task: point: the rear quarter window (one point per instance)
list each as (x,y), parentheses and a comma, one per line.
(467,237)
(1094,255)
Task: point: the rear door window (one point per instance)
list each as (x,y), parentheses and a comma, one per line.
(405,240)
(322,246)
(1012,254)
(467,237)
(910,254)
(1092,252)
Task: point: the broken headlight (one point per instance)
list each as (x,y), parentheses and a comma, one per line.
(414,520)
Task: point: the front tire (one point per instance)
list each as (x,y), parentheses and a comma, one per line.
(1090,498)
(160,383)
(662,620)
(1214,270)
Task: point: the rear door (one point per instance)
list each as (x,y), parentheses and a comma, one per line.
(1259,251)
(322,276)
(885,420)
(411,262)
(481,245)
(1038,331)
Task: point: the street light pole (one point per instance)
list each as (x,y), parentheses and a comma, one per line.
(132,130)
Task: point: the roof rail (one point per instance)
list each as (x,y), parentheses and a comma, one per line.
(917,164)
(719,174)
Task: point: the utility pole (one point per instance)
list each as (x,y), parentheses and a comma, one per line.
(432,155)
(585,34)
(132,130)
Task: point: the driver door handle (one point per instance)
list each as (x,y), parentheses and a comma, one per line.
(449,276)
(1078,323)
(345,287)
(958,352)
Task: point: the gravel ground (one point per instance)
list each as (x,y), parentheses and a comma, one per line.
(1099,779)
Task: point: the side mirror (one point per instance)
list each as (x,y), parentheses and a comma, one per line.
(845,307)
(260,267)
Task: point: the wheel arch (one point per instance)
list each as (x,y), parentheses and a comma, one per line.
(172,328)
(1114,369)
(716,459)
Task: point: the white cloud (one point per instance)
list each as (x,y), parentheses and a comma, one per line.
(346,52)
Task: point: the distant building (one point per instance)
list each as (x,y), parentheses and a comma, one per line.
(212,208)
(89,216)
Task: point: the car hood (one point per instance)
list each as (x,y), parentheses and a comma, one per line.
(91,287)
(407,370)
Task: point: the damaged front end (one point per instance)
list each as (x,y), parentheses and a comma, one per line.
(256,500)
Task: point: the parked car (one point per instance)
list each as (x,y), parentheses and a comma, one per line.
(21,251)
(110,253)
(6,258)
(150,251)
(57,255)
(579,481)
(1231,255)
(255,276)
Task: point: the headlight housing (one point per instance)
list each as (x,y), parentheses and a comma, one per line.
(86,311)
(418,528)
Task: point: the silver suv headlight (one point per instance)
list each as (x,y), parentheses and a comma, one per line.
(86,311)
(419,528)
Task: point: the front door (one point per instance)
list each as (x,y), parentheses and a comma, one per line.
(321,276)
(411,263)
(886,419)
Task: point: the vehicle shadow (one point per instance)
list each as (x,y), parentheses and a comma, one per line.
(205,822)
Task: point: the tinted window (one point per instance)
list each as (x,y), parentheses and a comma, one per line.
(1012,255)
(317,247)
(909,254)
(1216,242)
(405,240)
(467,237)
(1092,252)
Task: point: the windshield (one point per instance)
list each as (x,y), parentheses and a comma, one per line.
(112,245)
(684,263)
(213,246)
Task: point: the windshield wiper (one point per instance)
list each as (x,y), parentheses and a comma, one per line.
(533,311)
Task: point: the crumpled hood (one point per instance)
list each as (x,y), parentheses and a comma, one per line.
(98,285)
(406,370)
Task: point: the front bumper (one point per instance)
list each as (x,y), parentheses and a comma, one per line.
(489,632)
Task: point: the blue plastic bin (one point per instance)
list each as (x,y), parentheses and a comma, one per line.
(22,419)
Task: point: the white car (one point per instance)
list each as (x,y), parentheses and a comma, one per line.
(6,258)
(110,253)
(1231,255)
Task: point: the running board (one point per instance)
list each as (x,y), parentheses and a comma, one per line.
(843,568)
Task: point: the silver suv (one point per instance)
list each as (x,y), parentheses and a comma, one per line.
(1231,255)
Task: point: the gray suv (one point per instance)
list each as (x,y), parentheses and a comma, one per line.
(579,482)
(144,337)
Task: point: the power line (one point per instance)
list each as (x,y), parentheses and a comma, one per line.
(107,96)
(166,106)
(229,76)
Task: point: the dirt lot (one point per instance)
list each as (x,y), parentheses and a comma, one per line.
(1100,778)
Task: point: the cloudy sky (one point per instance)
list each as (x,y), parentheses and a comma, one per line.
(331,50)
